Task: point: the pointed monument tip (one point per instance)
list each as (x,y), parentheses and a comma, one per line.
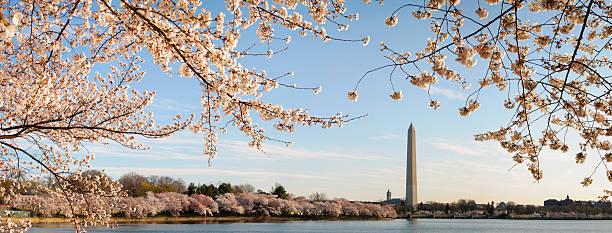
(411,127)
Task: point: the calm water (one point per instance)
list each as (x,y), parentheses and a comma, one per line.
(398,225)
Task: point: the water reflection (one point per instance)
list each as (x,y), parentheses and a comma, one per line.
(398,225)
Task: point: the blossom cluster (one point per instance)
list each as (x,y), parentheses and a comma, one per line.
(175,204)
(554,54)
(68,69)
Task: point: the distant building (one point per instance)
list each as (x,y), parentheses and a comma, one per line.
(554,202)
(602,204)
(394,201)
(501,206)
(551,202)
(569,202)
(388,195)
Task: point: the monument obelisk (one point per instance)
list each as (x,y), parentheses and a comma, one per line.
(411,175)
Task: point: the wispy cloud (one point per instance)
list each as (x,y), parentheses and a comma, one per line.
(467,147)
(455,148)
(390,136)
(117,171)
(189,148)
(277,151)
(448,93)
(119,151)
(462,168)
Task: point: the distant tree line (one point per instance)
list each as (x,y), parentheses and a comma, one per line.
(228,204)
(463,206)
(147,189)
(164,195)
(137,186)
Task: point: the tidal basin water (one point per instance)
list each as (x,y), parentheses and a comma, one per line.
(398,225)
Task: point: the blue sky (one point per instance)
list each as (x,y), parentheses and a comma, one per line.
(364,158)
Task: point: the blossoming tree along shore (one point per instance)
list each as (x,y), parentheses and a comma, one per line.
(549,57)
(227,204)
(52,100)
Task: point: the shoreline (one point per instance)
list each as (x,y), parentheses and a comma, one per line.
(241,219)
(509,218)
(202,219)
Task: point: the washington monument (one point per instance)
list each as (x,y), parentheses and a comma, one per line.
(411,175)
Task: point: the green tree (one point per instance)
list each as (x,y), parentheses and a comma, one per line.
(466,205)
(225,188)
(166,187)
(511,207)
(208,190)
(491,208)
(279,191)
(192,189)
(530,209)
(259,191)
